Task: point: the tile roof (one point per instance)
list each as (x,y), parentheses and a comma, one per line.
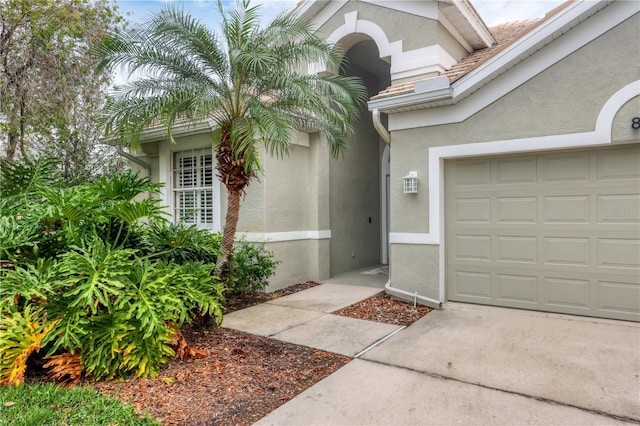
(505,34)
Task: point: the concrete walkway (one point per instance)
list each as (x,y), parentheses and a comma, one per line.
(304,318)
(465,364)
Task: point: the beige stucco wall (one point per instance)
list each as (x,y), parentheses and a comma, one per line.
(302,260)
(395,24)
(565,98)
(286,182)
(291,195)
(413,268)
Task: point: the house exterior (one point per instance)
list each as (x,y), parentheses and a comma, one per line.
(523,140)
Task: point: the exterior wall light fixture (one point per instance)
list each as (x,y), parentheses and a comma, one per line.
(410,183)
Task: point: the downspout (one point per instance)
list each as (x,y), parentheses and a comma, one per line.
(134,159)
(432,303)
(386,137)
(377,124)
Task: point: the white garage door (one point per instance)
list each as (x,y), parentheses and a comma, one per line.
(552,232)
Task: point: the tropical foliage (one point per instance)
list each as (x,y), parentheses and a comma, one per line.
(94,279)
(252,82)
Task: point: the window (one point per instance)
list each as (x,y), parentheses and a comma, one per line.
(195,196)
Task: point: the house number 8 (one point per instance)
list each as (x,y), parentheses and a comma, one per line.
(635,123)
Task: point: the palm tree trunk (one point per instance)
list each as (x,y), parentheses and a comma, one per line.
(228,235)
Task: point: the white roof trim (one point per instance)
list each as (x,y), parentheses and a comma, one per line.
(452,112)
(600,136)
(530,43)
(476,23)
(454,32)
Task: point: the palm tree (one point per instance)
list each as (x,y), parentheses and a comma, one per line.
(250,81)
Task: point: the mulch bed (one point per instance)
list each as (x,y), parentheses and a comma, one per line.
(243,377)
(252,298)
(383,308)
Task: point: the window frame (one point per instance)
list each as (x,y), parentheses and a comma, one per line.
(203,179)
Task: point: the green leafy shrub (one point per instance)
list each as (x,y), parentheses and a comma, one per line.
(181,243)
(251,265)
(95,272)
(76,278)
(251,268)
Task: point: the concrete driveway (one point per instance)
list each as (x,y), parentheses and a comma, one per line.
(470,364)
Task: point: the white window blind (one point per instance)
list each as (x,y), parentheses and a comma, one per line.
(193,188)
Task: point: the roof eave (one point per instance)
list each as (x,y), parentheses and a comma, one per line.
(415,100)
(516,52)
(158,133)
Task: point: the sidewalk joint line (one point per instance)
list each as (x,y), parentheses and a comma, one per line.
(377,342)
(538,398)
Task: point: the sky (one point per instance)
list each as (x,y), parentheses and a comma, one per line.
(493,12)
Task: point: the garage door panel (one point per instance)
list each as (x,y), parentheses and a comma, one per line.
(567,292)
(473,247)
(619,209)
(521,249)
(518,289)
(619,165)
(472,210)
(619,253)
(618,297)
(566,209)
(473,173)
(565,168)
(516,210)
(566,251)
(473,284)
(516,171)
(554,232)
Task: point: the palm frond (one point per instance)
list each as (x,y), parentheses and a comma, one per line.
(250,81)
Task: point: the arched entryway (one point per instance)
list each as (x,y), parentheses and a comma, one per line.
(358,182)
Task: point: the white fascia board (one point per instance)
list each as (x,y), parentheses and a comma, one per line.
(179,130)
(599,24)
(454,32)
(530,44)
(475,22)
(410,99)
(274,237)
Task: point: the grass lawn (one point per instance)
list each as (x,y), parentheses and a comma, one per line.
(48,404)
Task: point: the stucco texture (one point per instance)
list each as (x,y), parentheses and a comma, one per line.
(395,24)
(565,98)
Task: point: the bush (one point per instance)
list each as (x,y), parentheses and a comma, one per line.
(96,281)
(251,268)
(251,265)
(76,283)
